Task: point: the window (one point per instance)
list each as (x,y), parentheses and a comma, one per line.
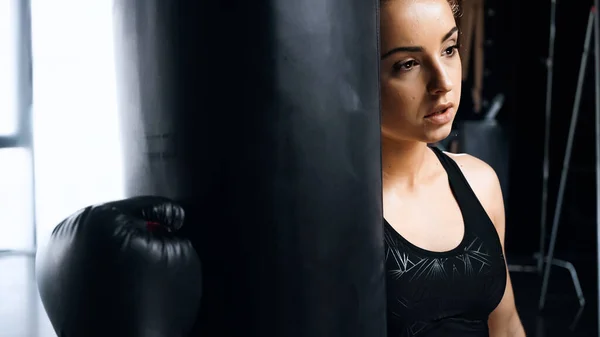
(8,67)
(76,134)
(16,195)
(16,171)
(73,146)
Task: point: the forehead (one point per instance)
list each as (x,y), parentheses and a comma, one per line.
(415,22)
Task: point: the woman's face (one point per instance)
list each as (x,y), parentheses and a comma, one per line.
(420,70)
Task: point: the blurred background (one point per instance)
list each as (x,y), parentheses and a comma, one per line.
(59,143)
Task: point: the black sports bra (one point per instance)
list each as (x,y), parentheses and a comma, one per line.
(451,293)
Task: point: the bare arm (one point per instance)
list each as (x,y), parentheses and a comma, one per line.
(504,320)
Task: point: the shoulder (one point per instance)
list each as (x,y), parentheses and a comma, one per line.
(478,173)
(484,181)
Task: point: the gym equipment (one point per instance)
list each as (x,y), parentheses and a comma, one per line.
(121,269)
(543,261)
(262,120)
(549,258)
(540,255)
(548,116)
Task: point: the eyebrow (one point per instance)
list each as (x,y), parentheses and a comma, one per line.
(416,49)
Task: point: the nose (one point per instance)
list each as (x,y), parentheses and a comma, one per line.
(440,81)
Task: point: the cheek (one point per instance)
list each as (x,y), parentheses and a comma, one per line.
(457,75)
(457,87)
(398,101)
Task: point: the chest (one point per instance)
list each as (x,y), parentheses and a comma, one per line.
(430,218)
(467,282)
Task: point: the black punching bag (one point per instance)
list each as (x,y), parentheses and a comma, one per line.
(262,119)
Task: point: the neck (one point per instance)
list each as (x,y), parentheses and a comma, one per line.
(403,161)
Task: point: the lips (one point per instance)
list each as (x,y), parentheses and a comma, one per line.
(439,109)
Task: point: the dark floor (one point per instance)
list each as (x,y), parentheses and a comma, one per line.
(562,315)
(22,315)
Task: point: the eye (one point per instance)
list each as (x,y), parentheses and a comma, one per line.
(405,66)
(451,51)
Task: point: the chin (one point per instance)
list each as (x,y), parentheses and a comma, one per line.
(438,134)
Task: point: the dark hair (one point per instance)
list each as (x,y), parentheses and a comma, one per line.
(454,5)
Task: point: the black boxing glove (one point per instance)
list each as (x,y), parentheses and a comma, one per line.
(120,269)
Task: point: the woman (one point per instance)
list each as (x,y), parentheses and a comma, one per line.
(444,214)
